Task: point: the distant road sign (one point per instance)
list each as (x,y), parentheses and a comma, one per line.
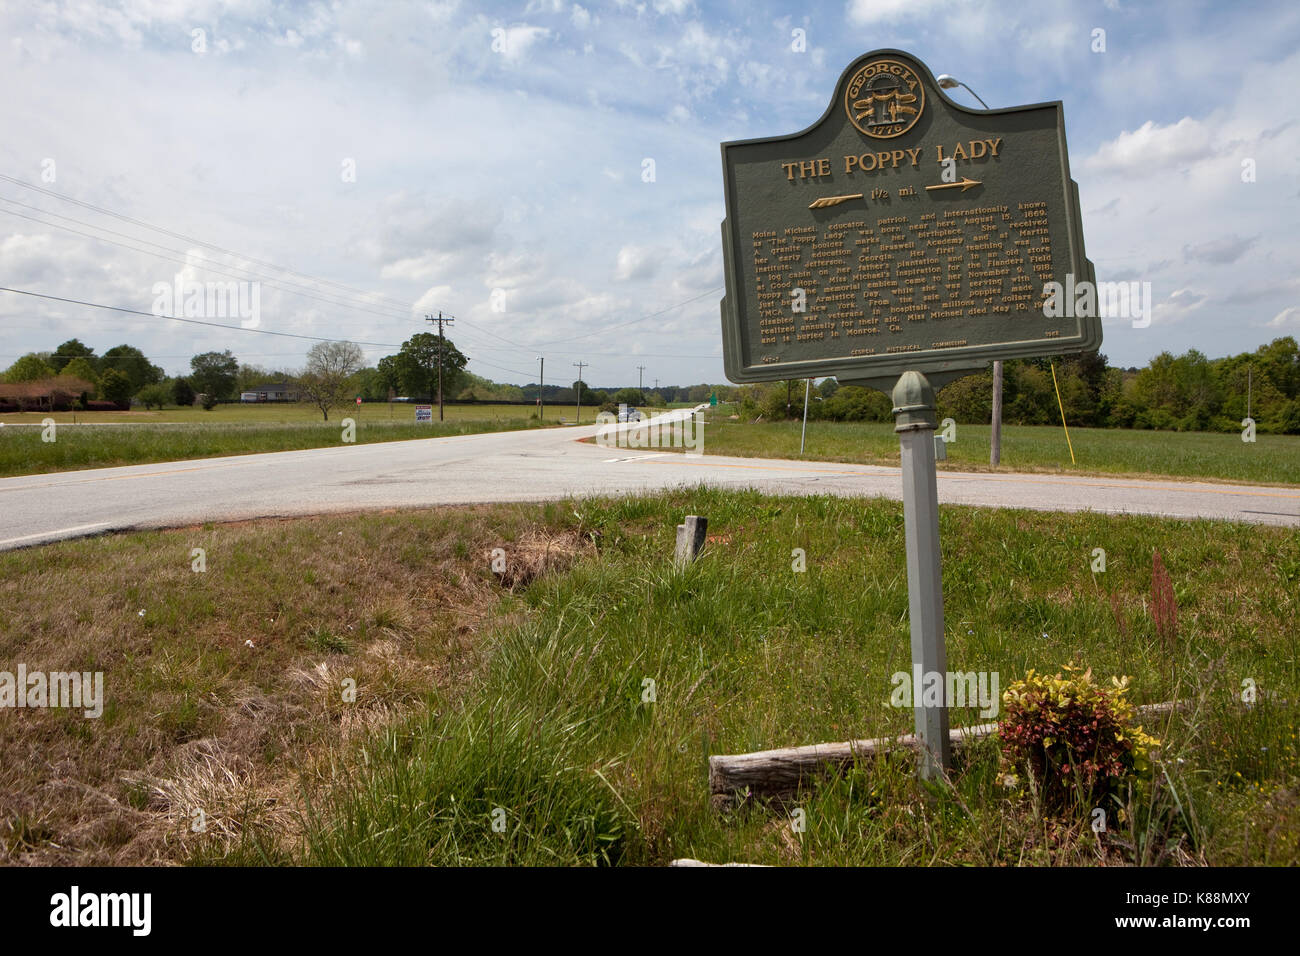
(901,231)
(424,413)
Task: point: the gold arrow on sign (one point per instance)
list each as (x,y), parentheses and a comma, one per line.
(965,184)
(832,201)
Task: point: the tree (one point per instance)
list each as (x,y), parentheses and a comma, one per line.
(388,375)
(214,373)
(417,365)
(628,396)
(968,400)
(249,376)
(369,385)
(854,403)
(327,380)
(132,363)
(158,394)
(30,368)
(182,391)
(82,368)
(71,350)
(115,387)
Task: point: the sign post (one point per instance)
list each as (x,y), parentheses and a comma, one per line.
(901,242)
(914,413)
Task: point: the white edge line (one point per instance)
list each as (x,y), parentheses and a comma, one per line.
(60,531)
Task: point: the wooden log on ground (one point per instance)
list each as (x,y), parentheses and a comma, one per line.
(687,861)
(778,774)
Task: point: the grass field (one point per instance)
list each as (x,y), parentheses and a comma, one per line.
(288,413)
(1272,459)
(178,434)
(522,697)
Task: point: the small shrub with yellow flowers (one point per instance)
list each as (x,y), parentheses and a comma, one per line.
(1071,741)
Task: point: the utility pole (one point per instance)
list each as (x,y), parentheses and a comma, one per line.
(949,82)
(440,320)
(541,383)
(995,437)
(807,387)
(640,369)
(580,366)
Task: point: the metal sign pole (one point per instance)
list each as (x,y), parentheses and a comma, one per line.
(914,414)
(807,386)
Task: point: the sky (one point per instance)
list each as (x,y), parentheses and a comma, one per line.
(549,172)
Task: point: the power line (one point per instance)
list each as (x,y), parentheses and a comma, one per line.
(176,318)
(184,238)
(271,282)
(235,328)
(643,318)
(398,309)
(274,283)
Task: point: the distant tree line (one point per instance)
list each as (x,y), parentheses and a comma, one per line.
(1187,392)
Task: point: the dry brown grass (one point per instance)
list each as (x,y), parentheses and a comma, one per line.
(206,739)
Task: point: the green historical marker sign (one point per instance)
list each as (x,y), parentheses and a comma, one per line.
(901,242)
(901,231)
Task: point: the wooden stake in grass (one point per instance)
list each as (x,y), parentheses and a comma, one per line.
(690,539)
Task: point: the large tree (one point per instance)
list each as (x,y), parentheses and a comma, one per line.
(30,368)
(82,368)
(116,387)
(389,374)
(417,365)
(132,363)
(214,373)
(69,350)
(182,391)
(328,377)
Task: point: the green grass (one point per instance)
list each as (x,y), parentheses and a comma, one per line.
(476,705)
(281,413)
(1272,459)
(558,741)
(23,452)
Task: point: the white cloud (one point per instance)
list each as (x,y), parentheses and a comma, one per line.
(471,176)
(636,262)
(1152,149)
(868,12)
(1223,251)
(1288,316)
(514,42)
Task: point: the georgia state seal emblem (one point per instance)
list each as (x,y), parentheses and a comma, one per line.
(884,99)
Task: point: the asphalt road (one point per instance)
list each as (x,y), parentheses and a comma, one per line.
(536,465)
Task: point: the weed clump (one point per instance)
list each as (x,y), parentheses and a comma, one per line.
(1071,742)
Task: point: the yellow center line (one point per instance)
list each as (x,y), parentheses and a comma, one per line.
(149,474)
